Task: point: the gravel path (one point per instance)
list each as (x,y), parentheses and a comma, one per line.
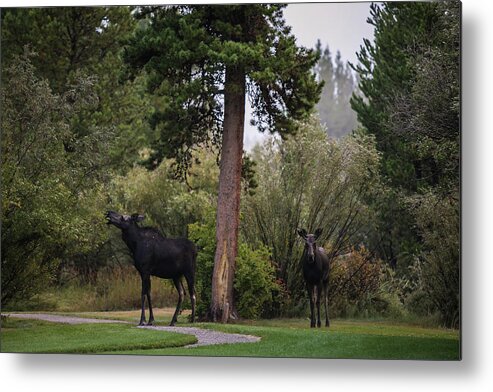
(205,337)
(60,319)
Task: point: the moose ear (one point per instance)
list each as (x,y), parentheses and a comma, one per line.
(138,218)
(317,233)
(302,233)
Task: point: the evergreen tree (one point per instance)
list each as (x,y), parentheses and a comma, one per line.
(51,199)
(87,126)
(387,69)
(66,39)
(325,72)
(201,63)
(74,42)
(334,108)
(410,77)
(345,120)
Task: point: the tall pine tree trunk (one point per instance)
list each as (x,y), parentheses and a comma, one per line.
(228,204)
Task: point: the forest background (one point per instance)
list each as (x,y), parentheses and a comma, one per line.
(376,165)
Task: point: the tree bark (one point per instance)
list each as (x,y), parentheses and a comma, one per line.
(228,204)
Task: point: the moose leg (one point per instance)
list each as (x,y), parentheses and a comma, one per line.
(179,288)
(191,290)
(319,292)
(182,288)
(151,315)
(326,304)
(146,281)
(310,296)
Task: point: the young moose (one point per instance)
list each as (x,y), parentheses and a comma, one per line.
(157,256)
(315,264)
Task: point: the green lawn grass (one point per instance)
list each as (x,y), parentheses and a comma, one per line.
(33,336)
(280,338)
(343,340)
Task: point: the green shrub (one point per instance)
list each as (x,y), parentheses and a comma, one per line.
(257,292)
(204,236)
(419,303)
(309,181)
(51,202)
(438,267)
(168,203)
(361,286)
(37,302)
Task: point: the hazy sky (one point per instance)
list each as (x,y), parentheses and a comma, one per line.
(342,26)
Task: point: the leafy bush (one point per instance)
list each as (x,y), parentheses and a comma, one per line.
(204,236)
(167,202)
(51,179)
(438,219)
(354,284)
(257,291)
(310,181)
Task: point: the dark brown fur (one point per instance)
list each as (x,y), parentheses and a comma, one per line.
(155,255)
(316,268)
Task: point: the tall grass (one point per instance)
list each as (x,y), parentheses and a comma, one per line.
(115,288)
(120,289)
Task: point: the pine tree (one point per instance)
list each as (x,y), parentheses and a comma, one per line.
(410,77)
(66,39)
(325,72)
(387,70)
(202,62)
(334,109)
(75,42)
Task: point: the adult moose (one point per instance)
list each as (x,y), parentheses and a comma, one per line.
(316,267)
(154,255)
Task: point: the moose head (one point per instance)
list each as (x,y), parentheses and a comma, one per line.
(310,242)
(123,222)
